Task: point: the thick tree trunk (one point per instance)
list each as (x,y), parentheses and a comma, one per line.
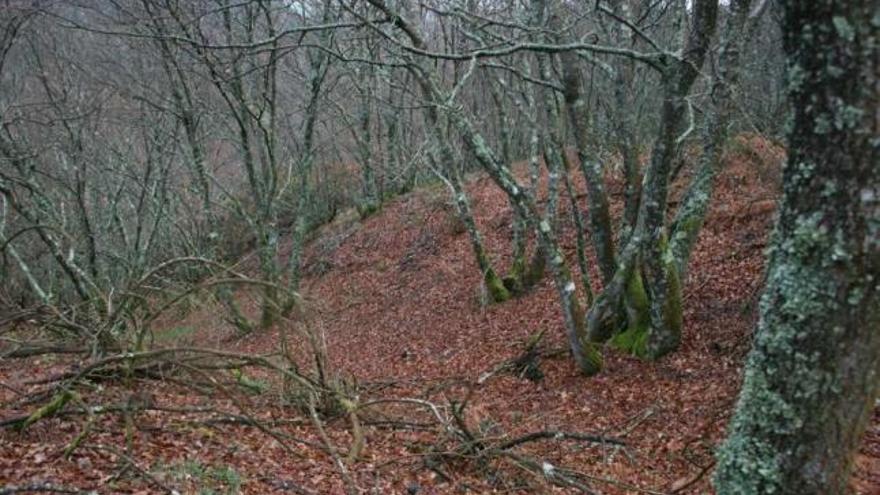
(660,272)
(811,378)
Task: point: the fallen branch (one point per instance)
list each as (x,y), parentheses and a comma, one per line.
(348,482)
(559,435)
(39,350)
(129,462)
(40,488)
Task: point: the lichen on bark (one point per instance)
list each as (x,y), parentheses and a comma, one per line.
(812,377)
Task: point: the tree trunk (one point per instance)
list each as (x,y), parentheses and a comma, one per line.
(660,273)
(811,378)
(645,268)
(497,290)
(600,211)
(690,215)
(580,236)
(370,203)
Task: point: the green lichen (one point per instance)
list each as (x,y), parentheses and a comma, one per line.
(797,76)
(843,27)
(787,376)
(847,117)
(822,124)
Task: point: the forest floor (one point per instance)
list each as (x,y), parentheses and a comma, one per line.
(397,300)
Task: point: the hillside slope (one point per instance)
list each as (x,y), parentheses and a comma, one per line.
(397,299)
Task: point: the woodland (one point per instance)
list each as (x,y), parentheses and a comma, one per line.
(440,247)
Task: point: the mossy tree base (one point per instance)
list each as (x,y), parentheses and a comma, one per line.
(524,276)
(368,209)
(593,361)
(626,296)
(633,340)
(496,288)
(640,337)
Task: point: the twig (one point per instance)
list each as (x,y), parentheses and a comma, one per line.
(549,472)
(631,425)
(697,477)
(350,487)
(611,481)
(40,488)
(133,465)
(559,435)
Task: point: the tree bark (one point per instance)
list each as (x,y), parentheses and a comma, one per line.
(660,273)
(695,205)
(600,211)
(644,268)
(811,378)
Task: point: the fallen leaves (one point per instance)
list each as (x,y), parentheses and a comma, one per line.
(397,300)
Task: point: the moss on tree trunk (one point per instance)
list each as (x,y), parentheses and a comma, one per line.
(634,339)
